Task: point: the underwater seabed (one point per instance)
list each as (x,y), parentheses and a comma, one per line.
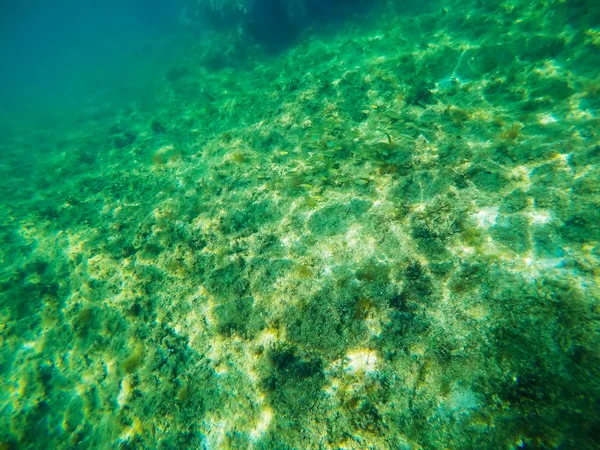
(385,238)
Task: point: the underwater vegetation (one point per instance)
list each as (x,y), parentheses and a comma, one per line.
(381,236)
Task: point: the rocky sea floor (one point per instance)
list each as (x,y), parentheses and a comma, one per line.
(383,238)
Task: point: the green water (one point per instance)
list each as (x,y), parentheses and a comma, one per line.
(385,236)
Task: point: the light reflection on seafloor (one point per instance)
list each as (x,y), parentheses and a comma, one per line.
(381,237)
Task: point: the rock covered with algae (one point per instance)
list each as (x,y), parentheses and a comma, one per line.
(385,237)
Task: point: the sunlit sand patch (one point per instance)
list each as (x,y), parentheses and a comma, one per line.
(362,361)
(124,392)
(265,418)
(539,217)
(486,217)
(546,119)
(360,243)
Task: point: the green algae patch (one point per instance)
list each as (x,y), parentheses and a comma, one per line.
(134,359)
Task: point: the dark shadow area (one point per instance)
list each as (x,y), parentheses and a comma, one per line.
(271,25)
(276,24)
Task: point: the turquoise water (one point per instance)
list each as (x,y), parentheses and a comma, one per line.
(298,225)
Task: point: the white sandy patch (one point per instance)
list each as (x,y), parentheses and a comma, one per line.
(486,217)
(539,217)
(124,392)
(362,360)
(266,415)
(546,119)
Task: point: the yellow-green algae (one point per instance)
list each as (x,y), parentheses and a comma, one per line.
(385,238)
